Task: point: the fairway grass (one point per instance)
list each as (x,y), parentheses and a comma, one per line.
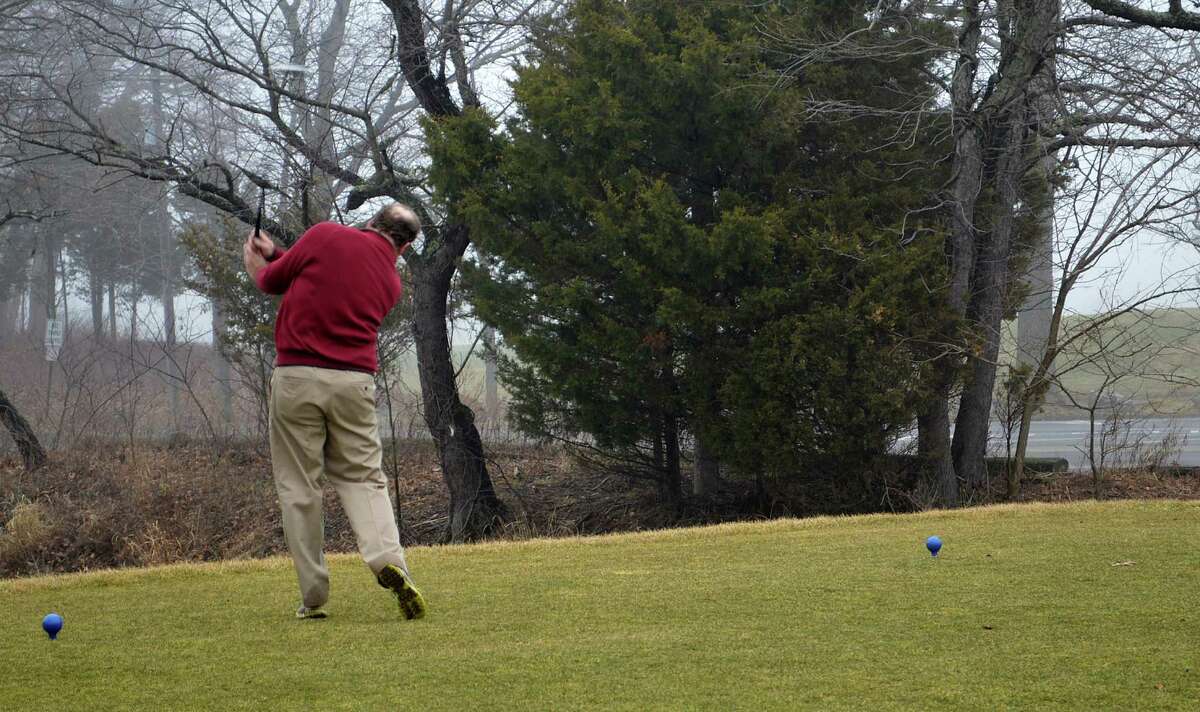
(1023,609)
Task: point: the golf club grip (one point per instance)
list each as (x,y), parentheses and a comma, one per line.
(262,197)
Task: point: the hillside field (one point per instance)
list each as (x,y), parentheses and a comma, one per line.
(1080,606)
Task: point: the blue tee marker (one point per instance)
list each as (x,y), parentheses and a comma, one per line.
(934,545)
(52,623)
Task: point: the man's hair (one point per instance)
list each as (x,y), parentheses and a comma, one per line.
(397,221)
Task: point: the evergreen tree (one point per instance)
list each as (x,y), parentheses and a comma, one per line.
(669,250)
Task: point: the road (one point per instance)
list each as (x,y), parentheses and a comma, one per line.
(1069,438)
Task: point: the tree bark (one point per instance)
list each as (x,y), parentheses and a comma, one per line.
(933,445)
(934,425)
(32,453)
(991,284)
(491,395)
(474,507)
(166,246)
(413,55)
(96,297)
(134,298)
(657,445)
(475,510)
(707,475)
(1017,467)
(672,482)
(18,300)
(168,311)
(1029,48)
(1039,322)
(42,300)
(1176,17)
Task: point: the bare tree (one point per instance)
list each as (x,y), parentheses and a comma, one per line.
(1008,408)
(1112,354)
(1117,197)
(33,455)
(238,114)
(1022,82)
(12,215)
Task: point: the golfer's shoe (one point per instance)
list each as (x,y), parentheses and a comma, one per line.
(412,603)
(314,613)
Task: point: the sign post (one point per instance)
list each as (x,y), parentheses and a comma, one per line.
(54,338)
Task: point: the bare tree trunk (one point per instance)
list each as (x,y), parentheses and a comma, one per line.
(1017,467)
(32,454)
(491,397)
(474,507)
(657,446)
(1097,474)
(168,304)
(934,426)
(1041,316)
(933,447)
(707,475)
(1028,34)
(41,301)
(134,298)
(671,479)
(62,286)
(991,285)
(475,510)
(112,311)
(50,296)
(166,246)
(392,457)
(96,297)
(15,320)
(412,53)
(315,123)
(8,317)
(672,482)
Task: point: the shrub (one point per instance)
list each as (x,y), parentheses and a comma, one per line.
(27,530)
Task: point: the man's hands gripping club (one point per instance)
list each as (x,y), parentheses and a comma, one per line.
(258,249)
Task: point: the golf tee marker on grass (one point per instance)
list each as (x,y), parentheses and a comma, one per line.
(934,544)
(52,623)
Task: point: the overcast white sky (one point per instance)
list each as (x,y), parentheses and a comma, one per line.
(1136,269)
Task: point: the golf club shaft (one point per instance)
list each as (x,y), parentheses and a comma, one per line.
(262,198)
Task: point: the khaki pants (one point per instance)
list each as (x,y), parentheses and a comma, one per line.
(323,420)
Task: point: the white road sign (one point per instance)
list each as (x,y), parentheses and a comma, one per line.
(54,338)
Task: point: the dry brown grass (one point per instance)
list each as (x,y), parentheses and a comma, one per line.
(108,506)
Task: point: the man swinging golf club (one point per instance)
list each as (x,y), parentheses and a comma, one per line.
(337,283)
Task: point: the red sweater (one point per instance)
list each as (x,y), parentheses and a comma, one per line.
(338,283)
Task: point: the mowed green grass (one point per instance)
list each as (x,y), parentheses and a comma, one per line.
(1024,609)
